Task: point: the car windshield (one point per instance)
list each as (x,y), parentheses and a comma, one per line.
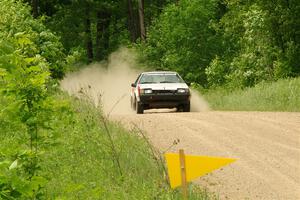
(160,78)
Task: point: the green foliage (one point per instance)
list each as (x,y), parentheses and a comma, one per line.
(55,147)
(283,95)
(28,53)
(261,43)
(216,72)
(107,26)
(231,43)
(80,163)
(14,180)
(30,36)
(83,165)
(181,39)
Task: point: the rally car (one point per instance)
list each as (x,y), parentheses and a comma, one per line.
(160,89)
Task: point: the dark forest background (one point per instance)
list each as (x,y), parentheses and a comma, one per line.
(210,42)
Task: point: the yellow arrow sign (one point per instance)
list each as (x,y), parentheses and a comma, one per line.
(195,166)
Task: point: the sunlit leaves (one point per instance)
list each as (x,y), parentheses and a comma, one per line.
(29,37)
(257,35)
(181,39)
(27,52)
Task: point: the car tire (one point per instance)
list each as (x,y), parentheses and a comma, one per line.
(179,109)
(187,107)
(139,108)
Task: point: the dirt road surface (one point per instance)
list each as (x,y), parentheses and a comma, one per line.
(266,144)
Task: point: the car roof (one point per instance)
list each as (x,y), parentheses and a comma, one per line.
(160,72)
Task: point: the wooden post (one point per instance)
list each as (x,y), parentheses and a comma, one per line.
(183,174)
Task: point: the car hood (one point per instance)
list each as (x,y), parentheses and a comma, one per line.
(164,86)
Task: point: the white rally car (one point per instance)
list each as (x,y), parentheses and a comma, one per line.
(160,89)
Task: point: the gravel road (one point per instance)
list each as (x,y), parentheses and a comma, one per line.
(267,145)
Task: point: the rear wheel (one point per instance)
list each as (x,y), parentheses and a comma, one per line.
(132,103)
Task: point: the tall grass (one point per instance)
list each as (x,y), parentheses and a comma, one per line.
(80,163)
(283,95)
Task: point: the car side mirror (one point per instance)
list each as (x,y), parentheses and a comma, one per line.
(133,85)
(188,84)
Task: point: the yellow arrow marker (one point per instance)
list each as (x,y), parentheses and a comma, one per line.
(195,166)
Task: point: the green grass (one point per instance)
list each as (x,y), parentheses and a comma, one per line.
(78,160)
(283,95)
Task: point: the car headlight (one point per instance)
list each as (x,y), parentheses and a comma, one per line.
(182,90)
(147,91)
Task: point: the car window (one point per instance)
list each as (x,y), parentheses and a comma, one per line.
(160,78)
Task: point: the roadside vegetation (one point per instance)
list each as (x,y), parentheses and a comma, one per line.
(282,95)
(57,147)
(81,155)
(244,55)
(53,146)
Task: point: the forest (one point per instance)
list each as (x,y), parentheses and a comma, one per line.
(237,43)
(234,44)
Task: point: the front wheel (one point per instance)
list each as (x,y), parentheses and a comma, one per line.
(187,107)
(139,108)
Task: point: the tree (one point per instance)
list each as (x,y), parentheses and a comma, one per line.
(35,8)
(88,34)
(261,42)
(131,20)
(181,39)
(142,20)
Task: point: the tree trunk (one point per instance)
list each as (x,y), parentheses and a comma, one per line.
(131,21)
(35,8)
(102,35)
(142,20)
(88,35)
(99,27)
(159,4)
(105,31)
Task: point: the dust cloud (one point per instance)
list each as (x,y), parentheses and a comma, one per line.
(109,83)
(198,103)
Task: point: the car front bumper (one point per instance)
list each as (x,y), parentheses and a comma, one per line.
(164,100)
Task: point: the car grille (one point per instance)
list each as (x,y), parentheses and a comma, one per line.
(164,91)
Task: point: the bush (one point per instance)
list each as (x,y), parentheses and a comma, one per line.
(32,37)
